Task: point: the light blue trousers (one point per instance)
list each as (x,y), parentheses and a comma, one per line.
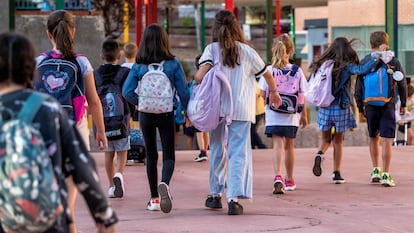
(237,162)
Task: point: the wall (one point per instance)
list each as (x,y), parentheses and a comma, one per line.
(4,16)
(88,36)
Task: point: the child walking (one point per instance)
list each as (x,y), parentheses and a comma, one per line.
(109,79)
(282,127)
(155,48)
(66,150)
(338,115)
(381,119)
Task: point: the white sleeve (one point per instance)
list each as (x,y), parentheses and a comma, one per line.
(85,65)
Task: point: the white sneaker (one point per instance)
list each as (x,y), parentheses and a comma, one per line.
(119,185)
(153,204)
(111,192)
(165,196)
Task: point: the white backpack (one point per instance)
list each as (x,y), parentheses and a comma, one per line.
(155,92)
(319,86)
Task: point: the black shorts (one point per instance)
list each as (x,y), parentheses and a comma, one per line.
(190,131)
(381,120)
(401,128)
(282,131)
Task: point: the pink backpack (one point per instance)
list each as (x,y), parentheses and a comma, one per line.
(319,90)
(204,106)
(288,86)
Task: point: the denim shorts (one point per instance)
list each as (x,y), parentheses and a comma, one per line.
(381,120)
(119,145)
(334,116)
(282,131)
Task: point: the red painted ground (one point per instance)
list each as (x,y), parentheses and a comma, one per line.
(317,205)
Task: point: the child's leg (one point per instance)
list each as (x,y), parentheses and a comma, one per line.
(109,166)
(326,141)
(289,157)
(206,137)
(121,161)
(337,155)
(72,194)
(386,153)
(374,149)
(278,151)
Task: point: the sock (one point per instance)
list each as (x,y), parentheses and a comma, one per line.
(234,199)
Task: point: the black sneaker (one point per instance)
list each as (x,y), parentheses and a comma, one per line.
(235,208)
(317,166)
(201,157)
(337,178)
(213,202)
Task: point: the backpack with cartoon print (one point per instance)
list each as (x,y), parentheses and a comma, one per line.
(288,86)
(62,79)
(29,198)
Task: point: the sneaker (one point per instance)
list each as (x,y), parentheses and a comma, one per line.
(119,185)
(376,175)
(337,178)
(111,192)
(235,208)
(153,204)
(213,202)
(201,157)
(290,185)
(278,185)
(165,196)
(317,166)
(387,181)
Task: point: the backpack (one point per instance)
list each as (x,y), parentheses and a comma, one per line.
(204,105)
(178,111)
(377,86)
(319,86)
(288,86)
(62,79)
(155,91)
(29,197)
(109,79)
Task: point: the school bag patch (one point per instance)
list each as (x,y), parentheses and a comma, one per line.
(29,197)
(109,80)
(155,92)
(288,87)
(319,86)
(63,80)
(377,87)
(204,105)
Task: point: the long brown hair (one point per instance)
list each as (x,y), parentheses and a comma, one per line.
(154,46)
(342,53)
(17,59)
(58,25)
(227,32)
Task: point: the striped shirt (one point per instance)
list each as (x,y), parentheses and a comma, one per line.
(242,80)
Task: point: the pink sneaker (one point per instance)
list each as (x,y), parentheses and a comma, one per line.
(290,185)
(278,185)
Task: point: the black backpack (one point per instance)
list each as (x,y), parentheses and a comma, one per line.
(109,80)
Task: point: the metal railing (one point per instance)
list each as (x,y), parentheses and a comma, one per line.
(47,5)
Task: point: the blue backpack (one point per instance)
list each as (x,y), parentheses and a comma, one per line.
(109,80)
(62,79)
(29,198)
(378,87)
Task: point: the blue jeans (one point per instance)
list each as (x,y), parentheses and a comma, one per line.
(239,154)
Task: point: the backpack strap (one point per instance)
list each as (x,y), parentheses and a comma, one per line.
(31,106)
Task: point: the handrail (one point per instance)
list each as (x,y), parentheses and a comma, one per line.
(48,5)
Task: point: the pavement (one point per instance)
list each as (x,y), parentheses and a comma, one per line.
(316,206)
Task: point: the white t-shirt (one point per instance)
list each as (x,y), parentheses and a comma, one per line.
(242,80)
(280,119)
